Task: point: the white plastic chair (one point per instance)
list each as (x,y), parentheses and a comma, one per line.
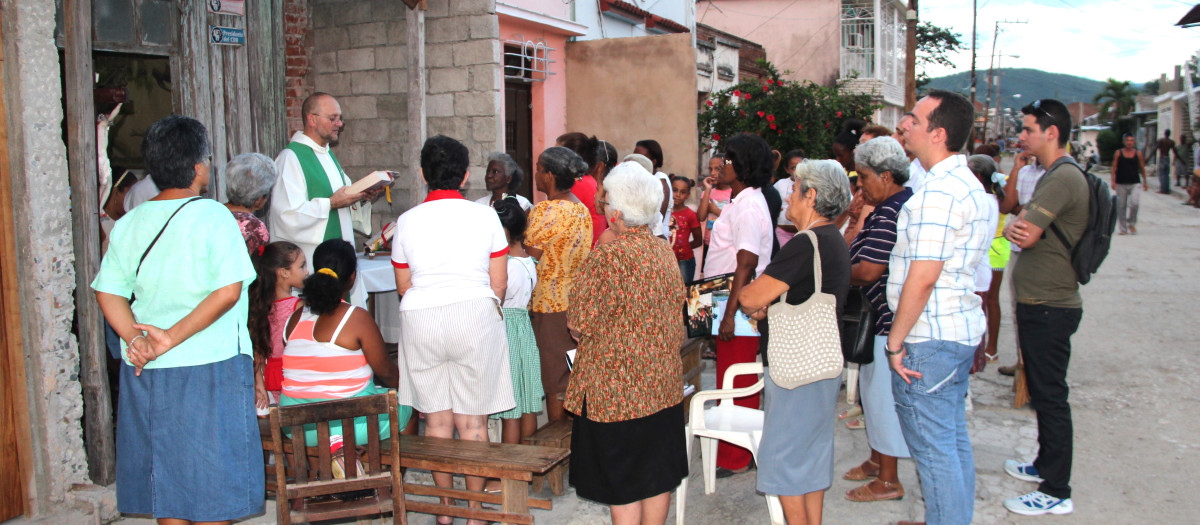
(727,422)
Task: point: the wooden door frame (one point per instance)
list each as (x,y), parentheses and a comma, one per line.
(14,402)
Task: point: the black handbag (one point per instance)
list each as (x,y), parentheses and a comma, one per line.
(858,327)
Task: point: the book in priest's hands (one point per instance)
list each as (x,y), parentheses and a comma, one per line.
(372,181)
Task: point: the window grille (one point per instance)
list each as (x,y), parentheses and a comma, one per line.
(527,61)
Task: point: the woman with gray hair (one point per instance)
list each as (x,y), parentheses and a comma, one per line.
(503,178)
(250,177)
(627,386)
(795,457)
(882,171)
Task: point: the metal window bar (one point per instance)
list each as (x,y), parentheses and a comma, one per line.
(527,61)
(858,40)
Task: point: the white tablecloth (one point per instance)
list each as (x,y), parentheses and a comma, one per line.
(380,280)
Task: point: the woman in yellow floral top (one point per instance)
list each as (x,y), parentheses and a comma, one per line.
(627,450)
(559,237)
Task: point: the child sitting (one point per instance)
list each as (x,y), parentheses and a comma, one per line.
(334,350)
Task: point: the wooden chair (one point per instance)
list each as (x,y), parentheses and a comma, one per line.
(297,500)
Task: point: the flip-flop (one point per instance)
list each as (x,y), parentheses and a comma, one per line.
(864,494)
(853,411)
(856,424)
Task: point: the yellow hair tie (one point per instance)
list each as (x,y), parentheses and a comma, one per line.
(328,272)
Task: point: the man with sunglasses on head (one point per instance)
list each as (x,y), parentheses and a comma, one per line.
(1049,306)
(310,203)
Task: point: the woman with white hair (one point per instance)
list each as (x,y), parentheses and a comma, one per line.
(882,171)
(627,386)
(795,457)
(249,179)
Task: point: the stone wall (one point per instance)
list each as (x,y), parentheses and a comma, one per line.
(360,56)
(45,256)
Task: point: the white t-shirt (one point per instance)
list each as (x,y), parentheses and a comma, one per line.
(522,277)
(983,274)
(784,187)
(447,242)
(142,191)
(916,175)
(663,226)
(486,200)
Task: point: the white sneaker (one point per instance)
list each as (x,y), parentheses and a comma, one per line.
(1022,471)
(1037,503)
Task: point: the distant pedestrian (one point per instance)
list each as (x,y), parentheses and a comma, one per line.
(942,235)
(1165,147)
(1049,306)
(1184,163)
(1128,171)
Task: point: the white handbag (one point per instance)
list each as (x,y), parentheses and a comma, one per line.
(804,345)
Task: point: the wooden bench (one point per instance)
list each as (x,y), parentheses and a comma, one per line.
(514,465)
(555,434)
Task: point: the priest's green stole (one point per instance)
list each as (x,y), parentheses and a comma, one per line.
(318,183)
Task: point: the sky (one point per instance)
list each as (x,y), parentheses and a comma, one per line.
(1134,40)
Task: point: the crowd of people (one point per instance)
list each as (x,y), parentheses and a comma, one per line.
(218,315)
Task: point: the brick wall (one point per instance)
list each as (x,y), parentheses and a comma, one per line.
(298,43)
(360,56)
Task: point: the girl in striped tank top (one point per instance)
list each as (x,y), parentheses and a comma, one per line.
(334,350)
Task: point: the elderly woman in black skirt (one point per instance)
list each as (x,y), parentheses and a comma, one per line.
(627,448)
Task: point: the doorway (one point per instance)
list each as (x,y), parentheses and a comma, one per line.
(518,131)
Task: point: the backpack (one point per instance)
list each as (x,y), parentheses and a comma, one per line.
(1093,245)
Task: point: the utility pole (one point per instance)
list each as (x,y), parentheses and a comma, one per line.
(974,19)
(992,78)
(910,59)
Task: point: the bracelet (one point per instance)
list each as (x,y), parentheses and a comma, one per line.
(143,337)
(889,352)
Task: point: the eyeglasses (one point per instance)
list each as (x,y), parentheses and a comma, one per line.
(1037,106)
(604,202)
(332,120)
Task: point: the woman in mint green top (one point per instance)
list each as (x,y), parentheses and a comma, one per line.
(187,437)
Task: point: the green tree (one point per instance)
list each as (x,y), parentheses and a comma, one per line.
(934,47)
(1151,87)
(1118,96)
(788,114)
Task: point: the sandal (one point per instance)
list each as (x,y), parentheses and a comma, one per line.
(864,494)
(856,424)
(859,473)
(853,411)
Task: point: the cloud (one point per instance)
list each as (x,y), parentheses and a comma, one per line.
(1097,39)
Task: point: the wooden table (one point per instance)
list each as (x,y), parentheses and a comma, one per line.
(514,465)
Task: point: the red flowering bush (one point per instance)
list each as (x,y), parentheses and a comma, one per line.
(788,114)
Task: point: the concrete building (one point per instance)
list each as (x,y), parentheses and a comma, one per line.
(723,60)
(858,42)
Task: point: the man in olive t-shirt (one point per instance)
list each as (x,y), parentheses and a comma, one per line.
(1048,305)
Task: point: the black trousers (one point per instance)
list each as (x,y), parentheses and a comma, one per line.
(1045,333)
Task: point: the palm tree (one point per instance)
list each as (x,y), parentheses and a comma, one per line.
(1117,95)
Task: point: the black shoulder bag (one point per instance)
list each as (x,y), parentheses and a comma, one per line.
(133,297)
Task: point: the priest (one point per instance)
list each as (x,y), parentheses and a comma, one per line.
(310,203)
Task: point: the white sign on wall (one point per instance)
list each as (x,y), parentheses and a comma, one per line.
(227,7)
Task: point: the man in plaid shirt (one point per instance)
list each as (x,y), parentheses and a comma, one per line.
(942,234)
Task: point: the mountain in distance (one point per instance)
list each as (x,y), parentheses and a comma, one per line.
(1031,84)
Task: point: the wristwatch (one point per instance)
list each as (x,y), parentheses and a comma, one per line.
(889,351)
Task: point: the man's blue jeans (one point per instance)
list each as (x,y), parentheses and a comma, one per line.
(932,414)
